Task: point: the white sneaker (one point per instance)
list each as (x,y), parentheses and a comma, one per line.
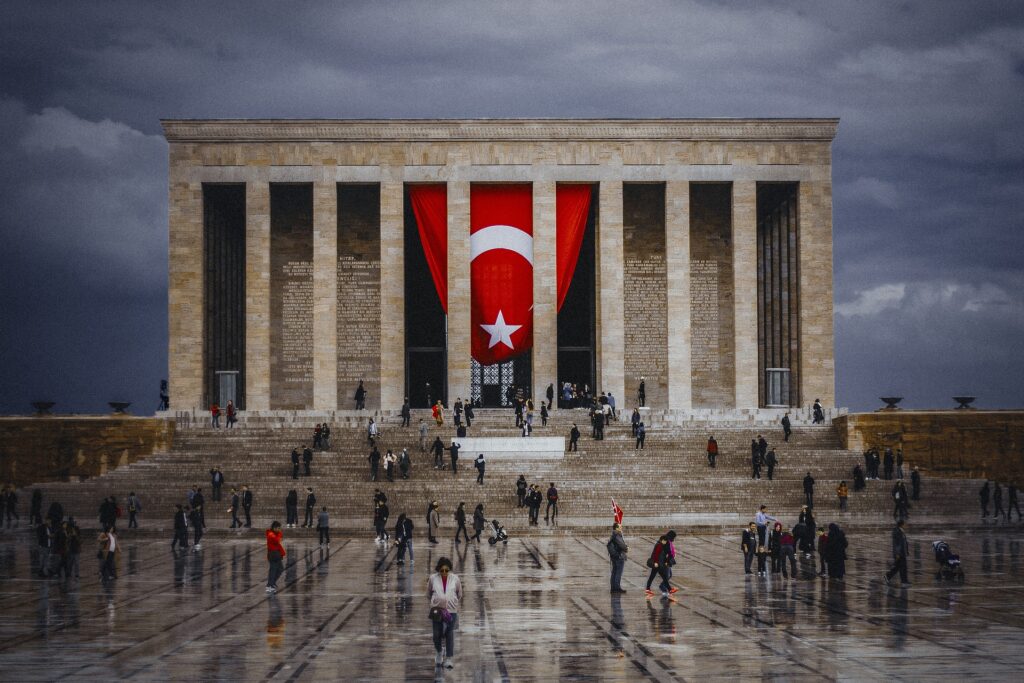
(438,658)
(269,589)
(448,663)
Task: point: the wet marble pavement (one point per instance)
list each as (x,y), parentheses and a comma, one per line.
(536,609)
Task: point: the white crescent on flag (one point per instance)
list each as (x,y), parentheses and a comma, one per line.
(501,237)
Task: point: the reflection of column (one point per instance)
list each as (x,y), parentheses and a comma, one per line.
(545,289)
(814,227)
(185,295)
(677,266)
(744,265)
(325,294)
(392,293)
(611,337)
(257,292)
(459,349)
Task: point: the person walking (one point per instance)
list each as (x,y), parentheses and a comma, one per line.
(787,427)
(110,547)
(901,504)
(196,518)
(307,519)
(900,550)
(480,466)
(295,463)
(574,438)
(307,460)
(835,552)
(997,502)
(433,521)
(712,451)
(444,594)
(11,507)
(453,452)
(460,520)
(380,521)
(35,515)
(552,508)
(771,460)
(374,459)
(247,505)
(438,413)
(641,435)
(809,490)
(1012,504)
(231,415)
(275,555)
(404,463)
(787,544)
(617,552)
(915,484)
(843,493)
(423,436)
(755,460)
(983,495)
(437,448)
(134,508)
(236,503)
(403,538)
(659,564)
(389,465)
(479,522)
(406,412)
(323,525)
(291,509)
(180,528)
(748,544)
(521,491)
(216,482)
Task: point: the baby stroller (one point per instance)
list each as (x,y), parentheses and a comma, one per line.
(949,563)
(498,533)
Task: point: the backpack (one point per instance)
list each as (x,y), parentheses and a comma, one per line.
(613,549)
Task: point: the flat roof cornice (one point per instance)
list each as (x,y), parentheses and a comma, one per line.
(442,130)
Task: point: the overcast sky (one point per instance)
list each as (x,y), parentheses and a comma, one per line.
(928,164)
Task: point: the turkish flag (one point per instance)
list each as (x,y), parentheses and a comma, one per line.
(501,271)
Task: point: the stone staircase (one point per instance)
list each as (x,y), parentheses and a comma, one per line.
(667,483)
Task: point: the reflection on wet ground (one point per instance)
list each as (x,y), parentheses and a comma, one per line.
(536,609)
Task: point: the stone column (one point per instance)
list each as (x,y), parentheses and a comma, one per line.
(185,287)
(677,266)
(257,291)
(325,292)
(817,362)
(459,350)
(545,290)
(744,263)
(611,338)
(392,290)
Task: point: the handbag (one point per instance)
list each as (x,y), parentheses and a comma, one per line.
(436,614)
(650,563)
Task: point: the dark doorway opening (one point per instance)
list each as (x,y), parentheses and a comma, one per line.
(577,317)
(426,338)
(224,289)
(496,385)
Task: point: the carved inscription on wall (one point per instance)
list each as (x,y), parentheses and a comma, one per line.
(704,316)
(297,322)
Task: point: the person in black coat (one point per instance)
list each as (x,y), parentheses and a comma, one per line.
(771,460)
(521,490)
(196,518)
(806,539)
(307,459)
(858,478)
(307,522)
(406,412)
(36,509)
(247,506)
(437,448)
(236,502)
(787,427)
(835,552)
(180,528)
(216,481)
(574,437)
(374,459)
(915,484)
(809,490)
(295,463)
(478,521)
(291,508)
(755,460)
(748,544)
(888,462)
(983,496)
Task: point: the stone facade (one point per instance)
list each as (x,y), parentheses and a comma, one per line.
(699,283)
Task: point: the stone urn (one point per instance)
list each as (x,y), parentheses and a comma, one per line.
(119,407)
(964,401)
(890,402)
(43,407)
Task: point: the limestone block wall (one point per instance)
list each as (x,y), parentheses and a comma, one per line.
(40,449)
(967,443)
(711,296)
(359,294)
(645,312)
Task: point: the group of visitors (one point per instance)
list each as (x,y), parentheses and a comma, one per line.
(401,463)
(322,437)
(230,414)
(531,497)
(760,456)
(995,494)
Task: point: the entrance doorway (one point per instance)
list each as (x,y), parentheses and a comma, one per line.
(495,386)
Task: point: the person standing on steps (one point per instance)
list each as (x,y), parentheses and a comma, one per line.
(787,427)
(453,452)
(809,490)
(307,459)
(550,394)
(574,437)
(374,459)
(215,415)
(406,412)
(712,452)
(915,484)
(887,463)
(444,593)
(275,555)
(641,393)
(236,503)
(641,434)
(291,509)
(216,481)
(552,508)
(295,463)
(460,520)
(433,521)
(389,465)
(543,414)
(899,463)
(380,521)
(771,460)
(469,414)
(755,460)
(323,525)
(617,552)
(521,490)
(247,505)
(634,420)
(423,436)
(478,521)
(404,463)
(360,396)
(438,450)
(199,506)
(307,520)
(900,550)
(997,502)
(480,465)
(843,493)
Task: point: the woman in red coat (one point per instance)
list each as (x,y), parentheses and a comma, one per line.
(275,555)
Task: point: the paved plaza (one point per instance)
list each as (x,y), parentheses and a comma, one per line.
(536,609)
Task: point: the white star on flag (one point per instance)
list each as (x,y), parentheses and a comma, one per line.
(500,331)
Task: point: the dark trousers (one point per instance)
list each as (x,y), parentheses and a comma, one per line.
(295,470)
(551,511)
(520,496)
(476,536)
(662,571)
(984,508)
(712,457)
(132,522)
(325,535)
(292,514)
(276,568)
(198,532)
(107,569)
(1010,508)
(461,529)
(999,511)
(748,558)
(640,441)
(216,492)
(771,472)
(235,522)
(786,432)
(445,632)
(308,473)
(899,566)
(618,565)
(455,465)
(307,521)
(788,556)
(574,445)
(480,475)
(809,499)
(401,551)
(180,538)
(248,516)
(755,472)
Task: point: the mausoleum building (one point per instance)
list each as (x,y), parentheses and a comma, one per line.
(444,259)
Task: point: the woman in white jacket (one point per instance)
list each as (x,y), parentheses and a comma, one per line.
(444,591)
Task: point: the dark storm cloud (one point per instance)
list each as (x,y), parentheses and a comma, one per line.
(928,190)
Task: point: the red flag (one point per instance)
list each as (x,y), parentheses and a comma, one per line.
(617,511)
(501,271)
